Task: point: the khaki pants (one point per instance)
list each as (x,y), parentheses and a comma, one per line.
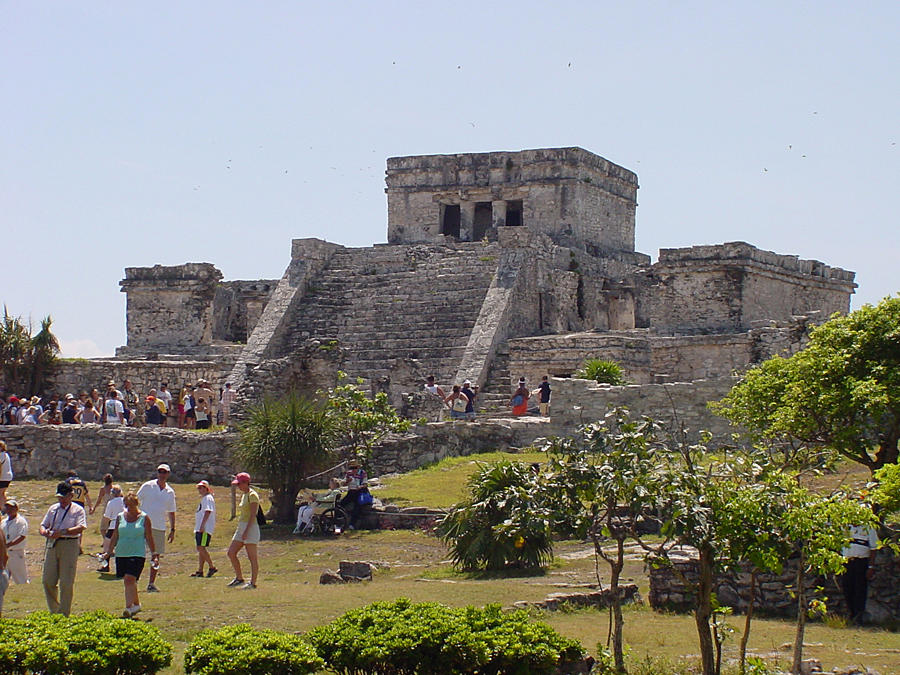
(60,564)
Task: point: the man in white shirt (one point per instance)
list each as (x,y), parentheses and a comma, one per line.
(227,399)
(115,411)
(62,527)
(15,529)
(860,555)
(158,502)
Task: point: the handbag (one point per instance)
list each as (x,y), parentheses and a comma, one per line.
(260,516)
(364,498)
(517,400)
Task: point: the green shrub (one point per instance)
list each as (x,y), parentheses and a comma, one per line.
(402,638)
(90,644)
(244,650)
(602,372)
(501,524)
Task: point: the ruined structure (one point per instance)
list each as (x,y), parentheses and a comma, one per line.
(497,263)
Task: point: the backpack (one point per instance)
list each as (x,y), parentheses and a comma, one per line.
(517,400)
(459,404)
(260,516)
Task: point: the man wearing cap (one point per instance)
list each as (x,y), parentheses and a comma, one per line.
(247,533)
(62,528)
(153,415)
(15,529)
(158,502)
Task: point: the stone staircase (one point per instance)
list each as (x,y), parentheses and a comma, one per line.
(398,302)
(493,399)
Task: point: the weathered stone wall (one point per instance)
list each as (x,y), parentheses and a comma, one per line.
(568,193)
(83,375)
(575,402)
(237,307)
(127,453)
(433,442)
(773,595)
(169,309)
(647,358)
(726,288)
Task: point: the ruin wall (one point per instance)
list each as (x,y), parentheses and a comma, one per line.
(237,306)
(78,375)
(774,596)
(568,193)
(727,288)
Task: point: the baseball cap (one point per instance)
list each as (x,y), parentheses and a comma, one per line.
(242,477)
(12,502)
(63,489)
(164,467)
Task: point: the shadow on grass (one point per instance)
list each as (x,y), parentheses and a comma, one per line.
(483,575)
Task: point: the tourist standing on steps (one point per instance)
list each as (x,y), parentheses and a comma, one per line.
(113,409)
(860,555)
(209,397)
(158,501)
(204,524)
(432,388)
(519,400)
(166,396)
(6,472)
(15,529)
(62,528)
(543,393)
(131,539)
(225,402)
(458,403)
(471,394)
(246,535)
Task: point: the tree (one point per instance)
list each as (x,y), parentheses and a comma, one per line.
(503,523)
(597,486)
(842,391)
(27,362)
(284,441)
(362,422)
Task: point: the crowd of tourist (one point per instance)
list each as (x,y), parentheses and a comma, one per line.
(194,407)
(461,400)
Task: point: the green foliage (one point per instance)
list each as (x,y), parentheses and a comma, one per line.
(597,485)
(362,421)
(284,441)
(90,644)
(244,650)
(27,362)
(841,392)
(886,492)
(503,522)
(401,637)
(602,372)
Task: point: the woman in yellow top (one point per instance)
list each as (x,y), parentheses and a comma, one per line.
(247,533)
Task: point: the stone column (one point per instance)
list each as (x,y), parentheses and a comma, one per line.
(466,220)
(498,212)
(169,309)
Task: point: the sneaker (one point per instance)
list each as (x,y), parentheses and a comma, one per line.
(103,568)
(151,588)
(212,570)
(248,586)
(134,609)
(198,573)
(235,582)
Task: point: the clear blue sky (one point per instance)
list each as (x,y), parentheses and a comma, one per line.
(142,133)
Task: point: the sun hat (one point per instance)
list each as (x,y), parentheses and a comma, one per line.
(204,483)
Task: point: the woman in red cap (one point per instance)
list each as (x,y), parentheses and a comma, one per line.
(247,533)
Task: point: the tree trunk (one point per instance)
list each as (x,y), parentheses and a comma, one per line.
(742,658)
(283,500)
(801,615)
(618,620)
(704,611)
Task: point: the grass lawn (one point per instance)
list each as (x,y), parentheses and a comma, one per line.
(411,564)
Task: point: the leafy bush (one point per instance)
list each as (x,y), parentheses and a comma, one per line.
(501,524)
(90,644)
(602,372)
(244,650)
(402,638)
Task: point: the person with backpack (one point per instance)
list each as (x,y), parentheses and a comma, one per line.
(246,535)
(519,400)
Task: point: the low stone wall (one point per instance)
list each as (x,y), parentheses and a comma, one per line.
(127,453)
(773,593)
(433,442)
(79,375)
(575,402)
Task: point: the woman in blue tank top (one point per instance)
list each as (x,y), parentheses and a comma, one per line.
(130,541)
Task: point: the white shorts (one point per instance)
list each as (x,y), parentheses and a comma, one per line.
(252,534)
